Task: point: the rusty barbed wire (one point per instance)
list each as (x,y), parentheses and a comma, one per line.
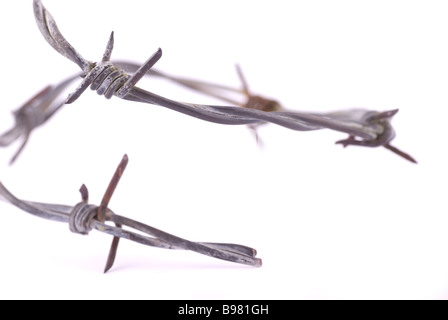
(83,218)
(365,127)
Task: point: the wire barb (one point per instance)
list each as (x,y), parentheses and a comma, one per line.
(103,207)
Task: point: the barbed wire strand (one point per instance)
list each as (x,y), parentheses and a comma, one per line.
(84,217)
(364,127)
(261,103)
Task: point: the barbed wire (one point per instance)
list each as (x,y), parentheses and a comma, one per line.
(365,127)
(83,218)
(272,106)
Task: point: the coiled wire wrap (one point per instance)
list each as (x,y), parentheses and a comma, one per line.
(81,217)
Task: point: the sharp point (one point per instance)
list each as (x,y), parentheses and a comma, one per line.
(84,193)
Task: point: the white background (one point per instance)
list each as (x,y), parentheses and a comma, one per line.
(328,222)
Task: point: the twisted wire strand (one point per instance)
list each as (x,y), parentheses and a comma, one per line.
(371,129)
(83,218)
